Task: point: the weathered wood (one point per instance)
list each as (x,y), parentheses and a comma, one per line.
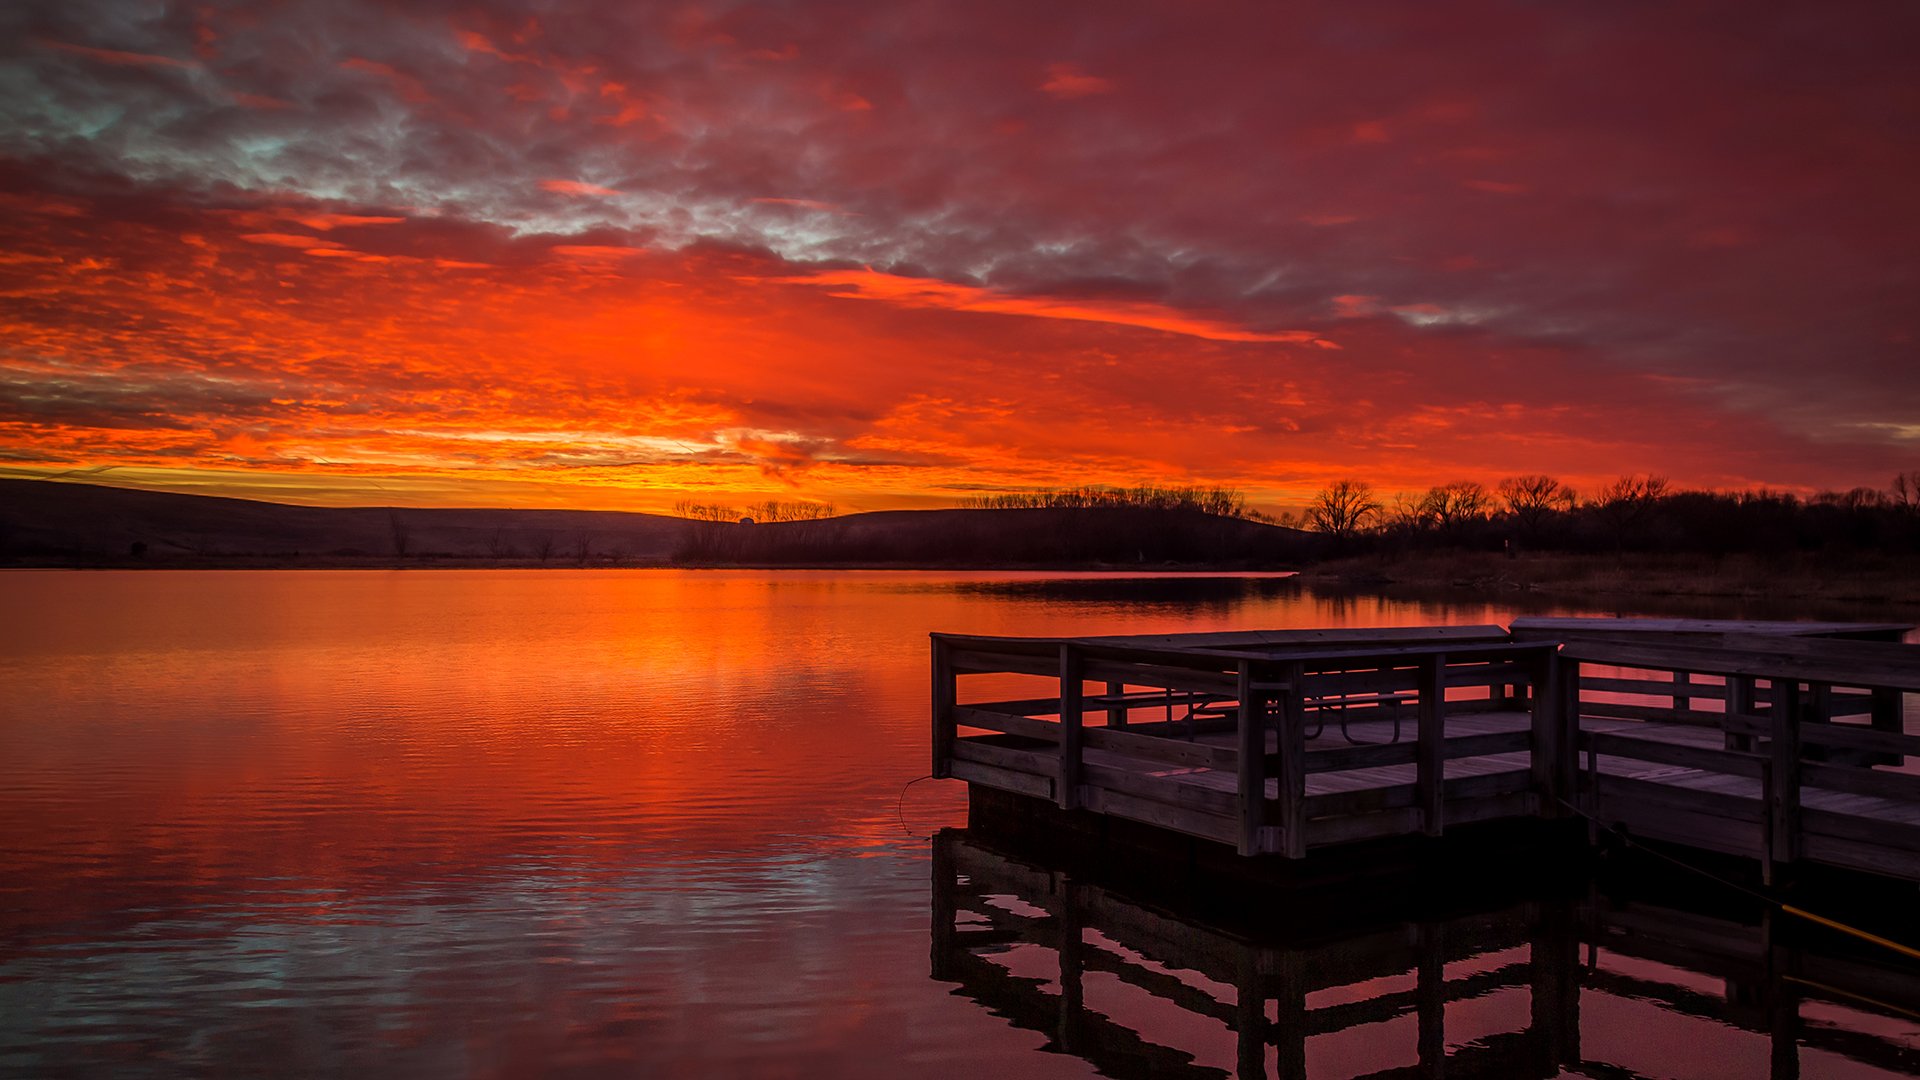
(1020,783)
(1252,764)
(1904,787)
(1345,758)
(1024,727)
(1290,766)
(1549,727)
(1432,738)
(1038,762)
(1220,827)
(1072,685)
(1854,737)
(943,699)
(1160,789)
(1668,753)
(1783,777)
(1154,748)
(1658,688)
(1115,699)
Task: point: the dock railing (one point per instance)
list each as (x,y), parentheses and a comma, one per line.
(1797,742)
(1214,742)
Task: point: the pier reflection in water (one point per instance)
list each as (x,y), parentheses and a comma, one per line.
(1482,983)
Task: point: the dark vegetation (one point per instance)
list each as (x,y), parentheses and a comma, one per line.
(64,524)
(1640,513)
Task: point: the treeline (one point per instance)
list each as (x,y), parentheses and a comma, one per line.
(722,532)
(1640,512)
(1216,501)
(1036,536)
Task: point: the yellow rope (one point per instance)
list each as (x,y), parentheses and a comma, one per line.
(1905,950)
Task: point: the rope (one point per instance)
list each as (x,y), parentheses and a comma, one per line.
(900,806)
(1798,912)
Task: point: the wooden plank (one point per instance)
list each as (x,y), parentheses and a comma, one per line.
(1856,664)
(1667,753)
(1219,684)
(1541,627)
(983,662)
(1367,800)
(1783,779)
(1015,759)
(944,731)
(1336,636)
(1072,685)
(1904,787)
(1854,737)
(1166,789)
(1693,827)
(1862,855)
(1665,796)
(1662,713)
(1020,783)
(1252,775)
(1290,766)
(1549,727)
(1875,831)
(1345,758)
(1403,821)
(1606,684)
(1431,733)
(1155,748)
(964,716)
(1496,742)
(1363,681)
(1503,673)
(1219,827)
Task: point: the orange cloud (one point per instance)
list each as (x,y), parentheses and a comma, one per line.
(1067,81)
(929,293)
(575,187)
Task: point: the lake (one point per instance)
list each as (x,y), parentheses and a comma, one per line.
(653,823)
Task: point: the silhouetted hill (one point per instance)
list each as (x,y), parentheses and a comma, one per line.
(54,523)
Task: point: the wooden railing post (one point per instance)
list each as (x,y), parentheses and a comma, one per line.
(1067,791)
(1291,763)
(1740,696)
(1567,747)
(1430,780)
(1253,762)
(1783,776)
(1116,714)
(1548,729)
(943,701)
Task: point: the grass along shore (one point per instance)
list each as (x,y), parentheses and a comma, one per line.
(1870,578)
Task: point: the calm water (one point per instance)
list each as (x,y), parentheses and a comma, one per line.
(553,823)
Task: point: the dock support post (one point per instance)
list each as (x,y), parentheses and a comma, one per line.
(943,701)
(1566,751)
(1072,690)
(1548,730)
(1291,763)
(1253,762)
(1783,779)
(1430,779)
(1885,715)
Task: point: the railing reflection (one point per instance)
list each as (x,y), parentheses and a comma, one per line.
(1137,988)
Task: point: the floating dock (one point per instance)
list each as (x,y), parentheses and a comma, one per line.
(1780,742)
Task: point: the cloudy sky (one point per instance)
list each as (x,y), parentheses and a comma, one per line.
(612,253)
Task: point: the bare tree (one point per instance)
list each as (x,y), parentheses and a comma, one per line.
(1906,490)
(1342,508)
(1451,506)
(543,546)
(582,546)
(1532,499)
(497,544)
(1628,504)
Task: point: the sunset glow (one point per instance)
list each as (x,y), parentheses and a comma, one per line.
(895,255)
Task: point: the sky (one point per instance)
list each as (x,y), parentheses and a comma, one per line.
(615,254)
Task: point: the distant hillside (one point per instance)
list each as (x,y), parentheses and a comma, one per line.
(52,523)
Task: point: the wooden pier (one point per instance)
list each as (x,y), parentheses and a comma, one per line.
(1782,742)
